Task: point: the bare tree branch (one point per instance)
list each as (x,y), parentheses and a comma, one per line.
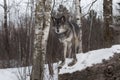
(2,5)
(90,7)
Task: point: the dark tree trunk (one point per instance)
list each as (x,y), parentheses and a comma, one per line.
(107,14)
(6,32)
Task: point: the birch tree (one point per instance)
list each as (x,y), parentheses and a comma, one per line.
(107,14)
(78,19)
(42,25)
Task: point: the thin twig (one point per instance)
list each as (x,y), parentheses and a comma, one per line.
(90,7)
(1,5)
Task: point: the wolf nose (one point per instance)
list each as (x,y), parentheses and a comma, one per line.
(57,30)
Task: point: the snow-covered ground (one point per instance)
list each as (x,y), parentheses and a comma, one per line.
(90,58)
(15,73)
(84,60)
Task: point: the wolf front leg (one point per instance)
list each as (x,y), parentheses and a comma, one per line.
(74,50)
(65,53)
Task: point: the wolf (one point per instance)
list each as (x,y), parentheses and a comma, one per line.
(68,34)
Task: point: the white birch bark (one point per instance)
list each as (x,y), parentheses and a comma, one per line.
(78,19)
(42,25)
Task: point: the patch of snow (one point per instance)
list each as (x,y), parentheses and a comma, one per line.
(84,60)
(15,73)
(55,76)
(90,58)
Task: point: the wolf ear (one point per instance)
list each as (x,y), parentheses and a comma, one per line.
(63,19)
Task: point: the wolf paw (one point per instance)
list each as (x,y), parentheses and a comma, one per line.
(73,62)
(61,64)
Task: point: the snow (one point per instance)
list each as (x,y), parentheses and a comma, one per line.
(15,73)
(84,60)
(55,76)
(90,58)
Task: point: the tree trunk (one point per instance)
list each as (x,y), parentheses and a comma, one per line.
(78,19)
(42,25)
(6,37)
(107,13)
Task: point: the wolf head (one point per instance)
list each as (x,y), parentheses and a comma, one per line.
(59,24)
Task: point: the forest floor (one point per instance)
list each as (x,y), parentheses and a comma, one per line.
(107,70)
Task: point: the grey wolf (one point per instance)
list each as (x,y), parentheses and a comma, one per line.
(68,34)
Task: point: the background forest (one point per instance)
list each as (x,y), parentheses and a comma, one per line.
(17,29)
